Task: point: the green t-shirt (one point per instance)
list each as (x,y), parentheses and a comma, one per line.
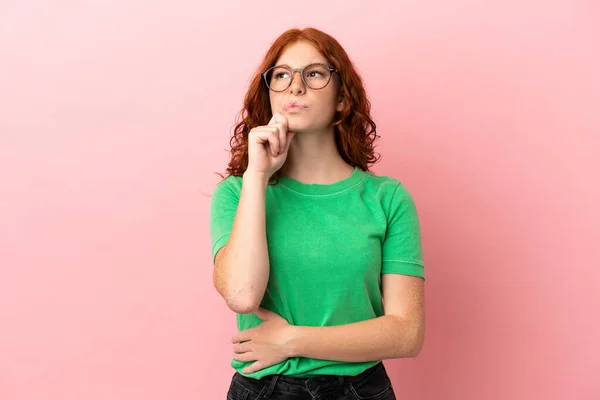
(328,246)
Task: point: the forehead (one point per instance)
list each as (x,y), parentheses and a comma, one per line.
(299,54)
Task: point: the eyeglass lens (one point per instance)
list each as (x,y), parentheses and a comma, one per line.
(316,76)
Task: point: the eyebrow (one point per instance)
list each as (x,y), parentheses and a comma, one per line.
(314,62)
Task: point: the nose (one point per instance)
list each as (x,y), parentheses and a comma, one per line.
(297,86)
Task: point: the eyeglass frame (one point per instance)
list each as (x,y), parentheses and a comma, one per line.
(301,70)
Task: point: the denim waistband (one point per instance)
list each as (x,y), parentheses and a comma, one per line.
(326,379)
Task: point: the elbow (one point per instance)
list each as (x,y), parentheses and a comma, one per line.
(415,350)
(241,305)
(238,300)
(417,343)
(409,343)
(408,350)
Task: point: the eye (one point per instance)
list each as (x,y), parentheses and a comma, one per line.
(281,73)
(316,71)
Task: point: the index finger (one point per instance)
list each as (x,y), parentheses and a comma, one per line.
(242,336)
(279,118)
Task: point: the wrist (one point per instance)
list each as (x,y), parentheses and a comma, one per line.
(260,178)
(294,345)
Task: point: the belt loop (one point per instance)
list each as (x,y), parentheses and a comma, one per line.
(271,386)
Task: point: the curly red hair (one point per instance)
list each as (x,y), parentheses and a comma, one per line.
(355,131)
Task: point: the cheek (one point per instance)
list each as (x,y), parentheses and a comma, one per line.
(272,102)
(277,104)
(331,98)
(328,104)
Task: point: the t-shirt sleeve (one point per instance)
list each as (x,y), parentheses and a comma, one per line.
(223,207)
(402,252)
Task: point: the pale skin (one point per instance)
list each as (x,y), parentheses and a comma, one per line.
(306,137)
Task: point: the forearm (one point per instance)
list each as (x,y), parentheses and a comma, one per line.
(245,264)
(380,338)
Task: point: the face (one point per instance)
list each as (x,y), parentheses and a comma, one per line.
(306,109)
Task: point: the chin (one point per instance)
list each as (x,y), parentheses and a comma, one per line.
(297,126)
(303,123)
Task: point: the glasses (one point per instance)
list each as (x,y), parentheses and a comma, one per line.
(315,76)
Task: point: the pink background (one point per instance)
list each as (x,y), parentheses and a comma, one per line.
(114,116)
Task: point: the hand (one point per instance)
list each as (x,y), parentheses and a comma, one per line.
(266,344)
(268,145)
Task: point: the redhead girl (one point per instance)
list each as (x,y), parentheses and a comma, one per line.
(319,258)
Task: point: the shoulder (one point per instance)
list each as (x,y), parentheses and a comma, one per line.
(389,189)
(229,186)
(385,184)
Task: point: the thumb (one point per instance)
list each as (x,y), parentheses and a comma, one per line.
(278,117)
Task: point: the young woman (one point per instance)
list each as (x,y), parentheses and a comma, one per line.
(307,243)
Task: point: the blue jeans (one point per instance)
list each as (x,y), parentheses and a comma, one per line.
(373,384)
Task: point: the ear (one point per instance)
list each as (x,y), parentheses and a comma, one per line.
(340,104)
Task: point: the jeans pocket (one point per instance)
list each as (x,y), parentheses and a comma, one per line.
(237,391)
(376,386)
(368,392)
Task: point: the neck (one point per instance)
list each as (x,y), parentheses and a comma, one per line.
(313,158)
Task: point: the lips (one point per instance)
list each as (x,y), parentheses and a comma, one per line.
(294,107)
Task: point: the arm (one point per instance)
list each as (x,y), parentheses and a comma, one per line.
(242,266)
(399,333)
